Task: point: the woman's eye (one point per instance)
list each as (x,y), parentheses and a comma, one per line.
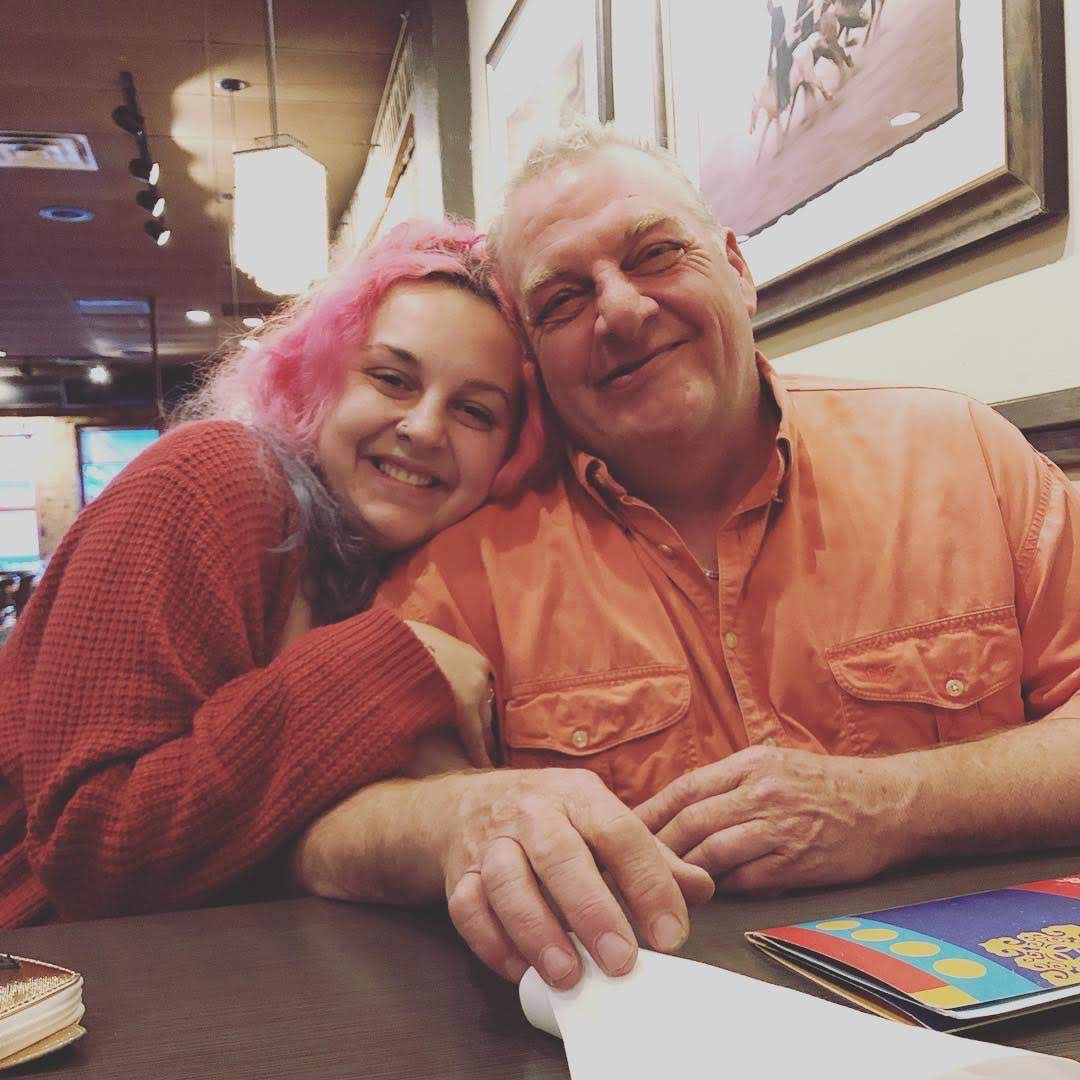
(657,257)
(476,416)
(389,381)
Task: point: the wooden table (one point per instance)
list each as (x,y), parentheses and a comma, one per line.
(309,988)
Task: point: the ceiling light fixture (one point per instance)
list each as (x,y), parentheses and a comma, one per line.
(2,354)
(198,315)
(279,204)
(130,119)
(252,321)
(158,231)
(142,168)
(152,201)
(69,215)
(99,375)
(249,343)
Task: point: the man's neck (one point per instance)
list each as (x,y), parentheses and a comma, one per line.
(698,488)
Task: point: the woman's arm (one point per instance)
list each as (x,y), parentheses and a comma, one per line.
(165,750)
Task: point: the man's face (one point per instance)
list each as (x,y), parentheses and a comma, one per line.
(638,313)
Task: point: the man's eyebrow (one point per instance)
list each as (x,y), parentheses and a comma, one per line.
(546,275)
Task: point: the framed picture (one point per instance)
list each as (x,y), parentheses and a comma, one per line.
(846,141)
(549,64)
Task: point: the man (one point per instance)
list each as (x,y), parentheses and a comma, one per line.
(775,616)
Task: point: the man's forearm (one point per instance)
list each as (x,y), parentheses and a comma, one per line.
(383,844)
(1012,790)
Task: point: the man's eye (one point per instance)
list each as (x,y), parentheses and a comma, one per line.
(563,305)
(657,257)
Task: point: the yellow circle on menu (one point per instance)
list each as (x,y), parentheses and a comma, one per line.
(915,948)
(958,968)
(838,924)
(875,934)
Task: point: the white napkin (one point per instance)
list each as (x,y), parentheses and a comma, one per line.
(676,1018)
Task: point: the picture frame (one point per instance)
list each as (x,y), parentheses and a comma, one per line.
(1018,171)
(550,62)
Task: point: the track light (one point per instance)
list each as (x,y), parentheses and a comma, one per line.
(145,170)
(129,119)
(99,375)
(152,201)
(158,232)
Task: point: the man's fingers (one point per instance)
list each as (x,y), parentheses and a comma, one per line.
(732,847)
(630,853)
(695,883)
(533,928)
(700,820)
(477,924)
(689,789)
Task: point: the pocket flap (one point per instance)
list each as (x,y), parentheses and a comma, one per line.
(582,716)
(949,663)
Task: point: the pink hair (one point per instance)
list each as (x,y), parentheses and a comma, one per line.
(286,383)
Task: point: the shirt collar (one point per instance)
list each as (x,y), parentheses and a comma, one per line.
(595,477)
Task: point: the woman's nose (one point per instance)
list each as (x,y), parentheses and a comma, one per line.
(423,424)
(621,309)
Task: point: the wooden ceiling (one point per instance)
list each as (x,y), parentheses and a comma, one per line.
(61,73)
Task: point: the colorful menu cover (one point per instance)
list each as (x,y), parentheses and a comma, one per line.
(946,964)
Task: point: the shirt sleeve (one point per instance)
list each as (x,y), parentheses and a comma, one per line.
(166,751)
(1041,512)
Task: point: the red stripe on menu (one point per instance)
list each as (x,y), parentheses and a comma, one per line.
(1056,886)
(893,972)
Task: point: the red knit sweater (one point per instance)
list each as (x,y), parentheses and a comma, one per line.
(156,750)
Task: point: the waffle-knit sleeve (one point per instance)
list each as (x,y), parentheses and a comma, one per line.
(166,750)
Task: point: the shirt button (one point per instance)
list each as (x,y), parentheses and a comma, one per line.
(666,550)
(580,739)
(770,741)
(954,688)
(731,640)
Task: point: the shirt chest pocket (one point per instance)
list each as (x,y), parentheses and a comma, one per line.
(942,681)
(615,724)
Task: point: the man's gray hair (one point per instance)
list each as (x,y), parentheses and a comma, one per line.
(583,139)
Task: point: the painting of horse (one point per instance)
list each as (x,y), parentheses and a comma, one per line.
(796,95)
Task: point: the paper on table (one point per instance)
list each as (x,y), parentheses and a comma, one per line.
(678,1018)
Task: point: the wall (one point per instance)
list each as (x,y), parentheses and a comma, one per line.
(996,324)
(53,446)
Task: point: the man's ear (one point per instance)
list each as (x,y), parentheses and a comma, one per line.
(738,263)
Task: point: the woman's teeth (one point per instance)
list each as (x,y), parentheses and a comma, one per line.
(396,472)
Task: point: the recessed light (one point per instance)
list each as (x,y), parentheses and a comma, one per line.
(198,315)
(252,321)
(249,343)
(70,215)
(904,118)
(99,374)
(2,354)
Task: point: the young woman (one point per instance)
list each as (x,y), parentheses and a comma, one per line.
(198,676)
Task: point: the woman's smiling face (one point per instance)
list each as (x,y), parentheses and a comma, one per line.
(427,413)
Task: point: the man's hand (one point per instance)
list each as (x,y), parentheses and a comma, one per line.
(771,819)
(520,858)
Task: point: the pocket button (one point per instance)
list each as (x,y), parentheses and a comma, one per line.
(954,688)
(580,739)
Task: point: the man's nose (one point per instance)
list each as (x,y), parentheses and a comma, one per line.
(621,309)
(423,424)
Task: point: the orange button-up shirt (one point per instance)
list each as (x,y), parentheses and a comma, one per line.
(905,573)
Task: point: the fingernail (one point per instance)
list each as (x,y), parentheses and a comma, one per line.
(556,963)
(668,933)
(615,952)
